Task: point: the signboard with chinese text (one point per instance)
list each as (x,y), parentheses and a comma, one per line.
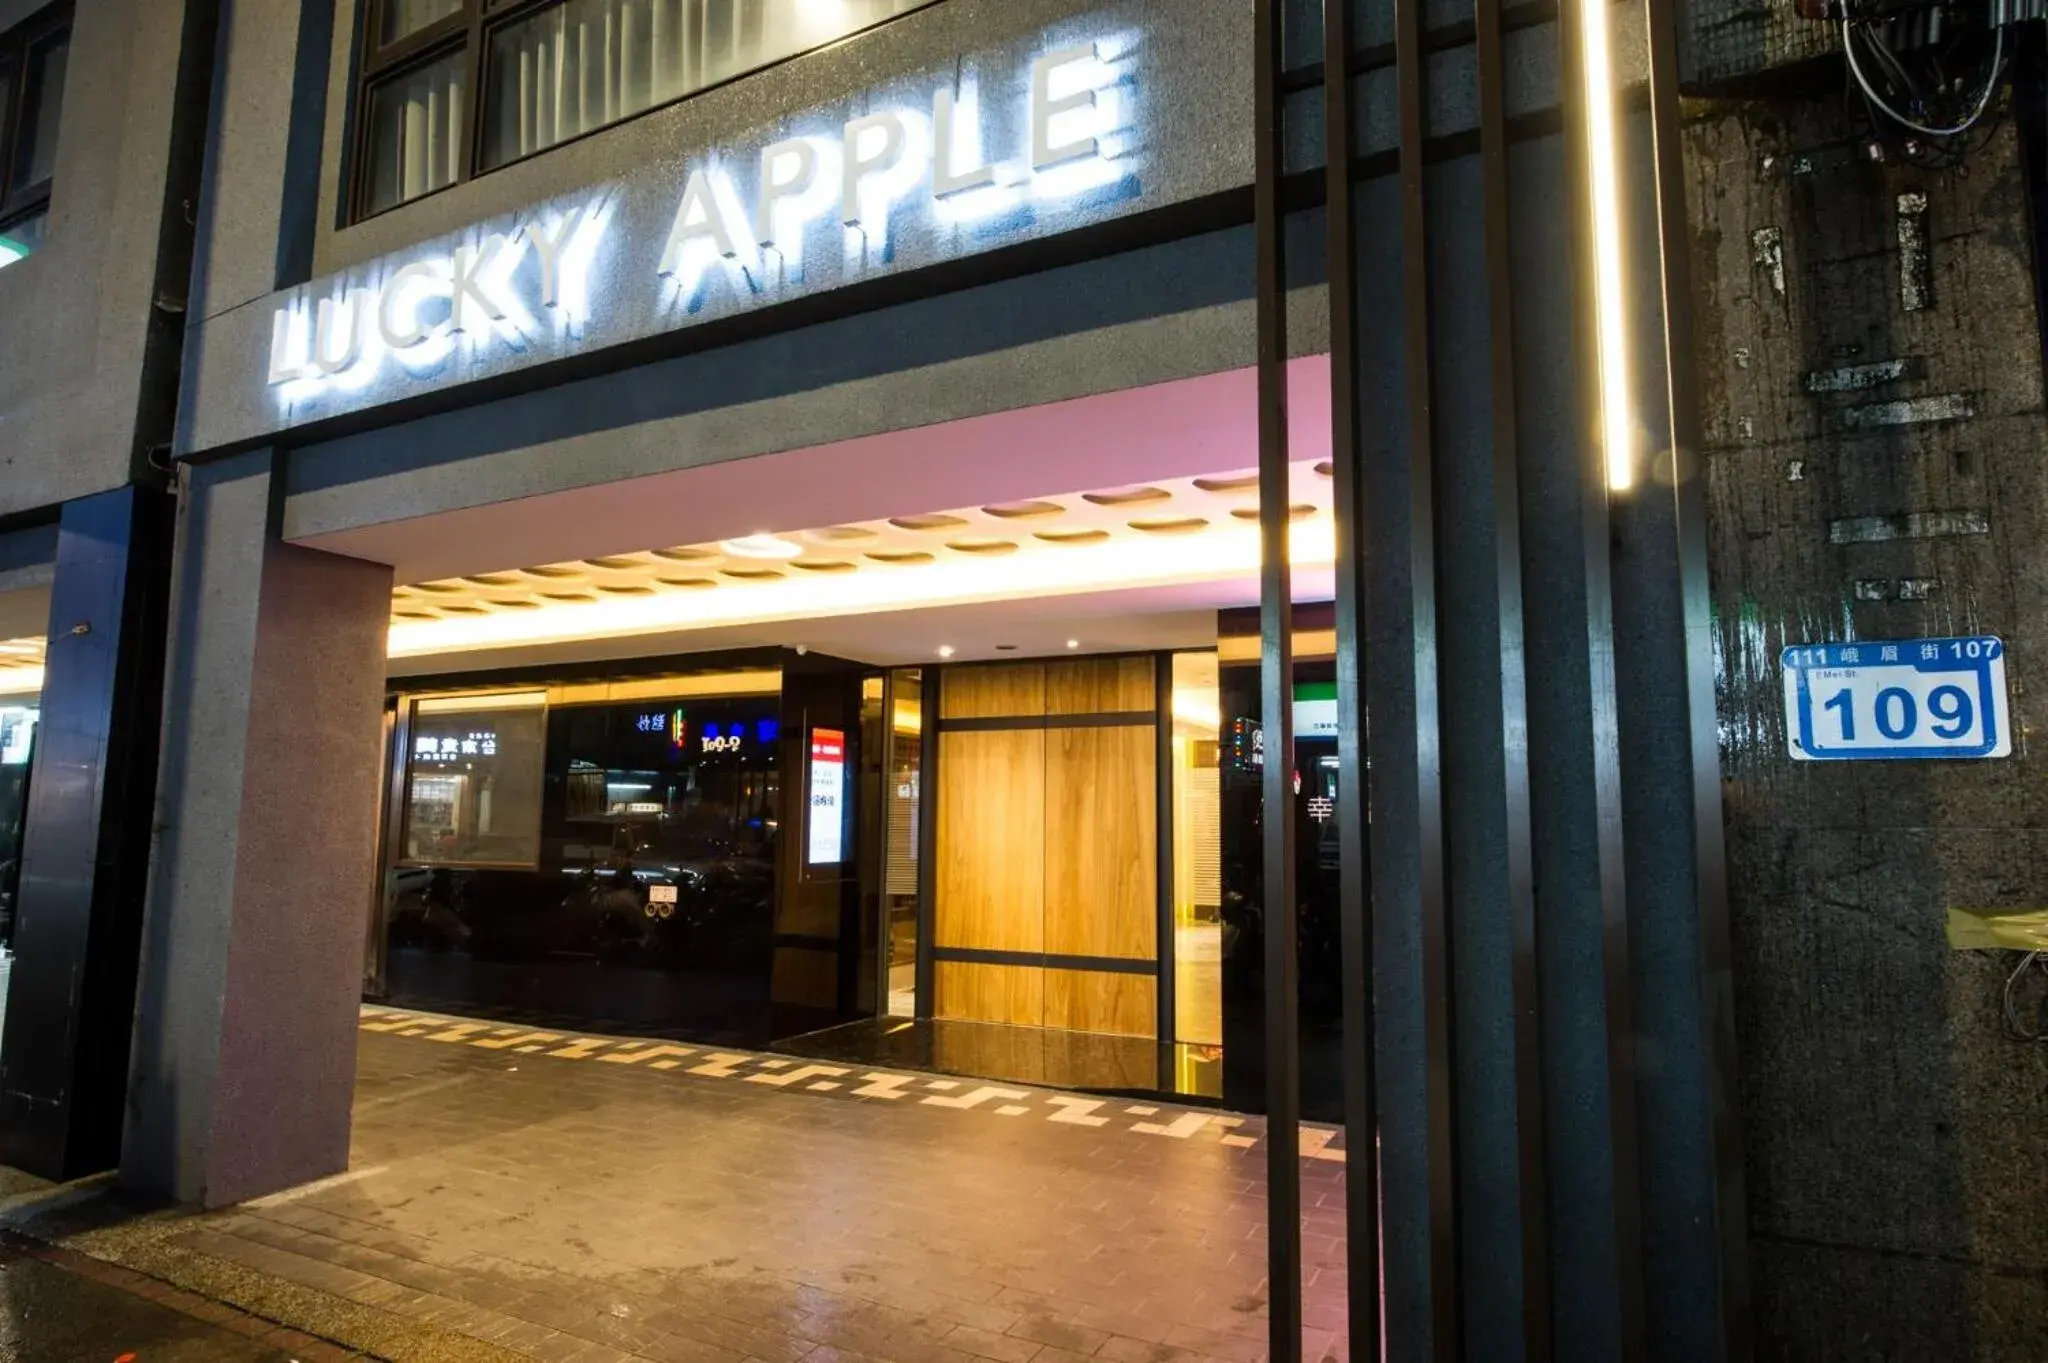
(452,748)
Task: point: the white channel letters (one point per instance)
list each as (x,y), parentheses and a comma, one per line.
(809,194)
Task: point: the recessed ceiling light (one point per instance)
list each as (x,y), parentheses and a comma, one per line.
(1073,643)
(1006,648)
(762,546)
(945,650)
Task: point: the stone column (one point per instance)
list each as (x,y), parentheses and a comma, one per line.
(244,1056)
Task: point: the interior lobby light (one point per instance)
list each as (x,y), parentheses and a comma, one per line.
(1073,643)
(1617,424)
(946,650)
(762,546)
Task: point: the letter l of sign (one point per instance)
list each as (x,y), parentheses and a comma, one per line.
(945,180)
(284,335)
(470,267)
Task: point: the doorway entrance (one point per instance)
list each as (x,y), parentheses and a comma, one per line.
(1047,904)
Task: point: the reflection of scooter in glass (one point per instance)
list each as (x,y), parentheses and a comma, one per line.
(605,910)
(422,910)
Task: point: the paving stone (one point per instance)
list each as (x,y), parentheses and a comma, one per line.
(984,1344)
(735,1221)
(1060,1334)
(1122,1349)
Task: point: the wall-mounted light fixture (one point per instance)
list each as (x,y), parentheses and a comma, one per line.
(1603,158)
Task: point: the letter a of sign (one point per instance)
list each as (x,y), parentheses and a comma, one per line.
(700,220)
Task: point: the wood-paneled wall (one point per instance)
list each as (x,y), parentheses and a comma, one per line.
(990,869)
(1101,842)
(1048,842)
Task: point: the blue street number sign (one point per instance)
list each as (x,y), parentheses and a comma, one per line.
(1899,698)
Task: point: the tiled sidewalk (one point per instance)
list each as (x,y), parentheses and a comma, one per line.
(557,1197)
(57,1304)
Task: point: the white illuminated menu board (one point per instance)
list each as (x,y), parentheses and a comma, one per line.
(827,798)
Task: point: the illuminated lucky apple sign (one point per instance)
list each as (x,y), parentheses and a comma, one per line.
(748,225)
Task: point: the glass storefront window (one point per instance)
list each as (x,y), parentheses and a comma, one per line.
(18,720)
(473,780)
(900,865)
(670,789)
(606,850)
(1197,851)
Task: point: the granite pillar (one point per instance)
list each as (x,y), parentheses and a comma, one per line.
(244,1055)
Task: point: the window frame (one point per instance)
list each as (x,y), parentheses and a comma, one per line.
(15,45)
(406,767)
(468,31)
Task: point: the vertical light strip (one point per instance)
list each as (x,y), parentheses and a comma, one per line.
(1617,426)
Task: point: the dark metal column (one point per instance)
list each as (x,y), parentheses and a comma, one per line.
(1411,983)
(86,846)
(1276,689)
(1524,1143)
(1576,830)
(1694,997)
(1354,895)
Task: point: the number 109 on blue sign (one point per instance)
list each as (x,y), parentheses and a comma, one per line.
(1897,699)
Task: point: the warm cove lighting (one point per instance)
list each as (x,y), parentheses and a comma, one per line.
(1216,555)
(1617,423)
(21,681)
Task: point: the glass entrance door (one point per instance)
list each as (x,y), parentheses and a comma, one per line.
(901,832)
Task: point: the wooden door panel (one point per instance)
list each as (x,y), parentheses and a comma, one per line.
(990,872)
(1100,686)
(990,993)
(1102,1001)
(1101,842)
(999,691)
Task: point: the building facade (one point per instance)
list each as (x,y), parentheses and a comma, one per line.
(102,138)
(909,530)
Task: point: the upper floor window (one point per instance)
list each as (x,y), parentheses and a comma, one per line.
(32,61)
(551,70)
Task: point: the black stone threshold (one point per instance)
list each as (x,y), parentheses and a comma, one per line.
(1044,1057)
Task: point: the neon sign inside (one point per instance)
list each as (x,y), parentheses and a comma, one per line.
(748,224)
